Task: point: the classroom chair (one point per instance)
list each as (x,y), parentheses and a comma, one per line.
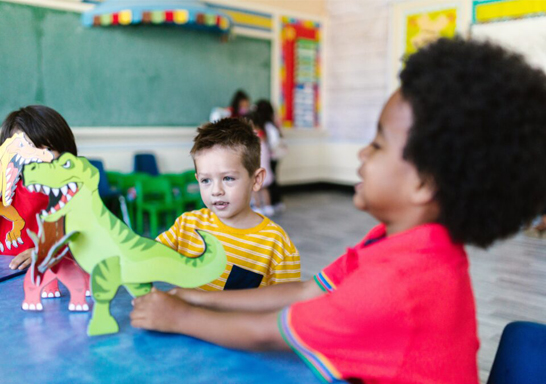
(154,197)
(110,194)
(114,178)
(185,191)
(106,191)
(190,192)
(126,182)
(146,162)
(521,356)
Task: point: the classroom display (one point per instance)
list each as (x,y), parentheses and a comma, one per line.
(105,247)
(425,27)
(486,11)
(174,12)
(416,23)
(15,152)
(300,73)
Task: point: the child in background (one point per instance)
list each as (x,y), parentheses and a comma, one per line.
(458,159)
(262,198)
(238,107)
(227,165)
(47,129)
(277,148)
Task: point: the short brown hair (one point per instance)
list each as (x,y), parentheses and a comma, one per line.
(233,133)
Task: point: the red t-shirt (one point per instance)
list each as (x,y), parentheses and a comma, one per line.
(28,204)
(398,310)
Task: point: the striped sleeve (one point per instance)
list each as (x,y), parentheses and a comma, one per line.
(316,361)
(324,282)
(285,264)
(287,270)
(170,237)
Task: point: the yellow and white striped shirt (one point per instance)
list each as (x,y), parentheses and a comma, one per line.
(259,256)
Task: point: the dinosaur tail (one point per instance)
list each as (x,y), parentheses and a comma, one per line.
(176,269)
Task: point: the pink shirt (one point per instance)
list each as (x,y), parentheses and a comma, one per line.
(399,310)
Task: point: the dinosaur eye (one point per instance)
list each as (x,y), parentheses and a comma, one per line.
(67,164)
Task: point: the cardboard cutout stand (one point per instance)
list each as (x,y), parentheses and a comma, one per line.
(105,247)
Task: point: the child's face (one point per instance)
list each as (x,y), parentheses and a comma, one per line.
(225,185)
(389,182)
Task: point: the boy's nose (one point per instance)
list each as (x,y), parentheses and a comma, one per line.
(363,153)
(217,190)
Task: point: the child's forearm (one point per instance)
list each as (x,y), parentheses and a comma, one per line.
(271,298)
(241,330)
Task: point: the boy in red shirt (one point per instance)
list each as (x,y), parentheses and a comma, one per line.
(458,159)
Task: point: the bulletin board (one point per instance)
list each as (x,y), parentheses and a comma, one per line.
(414,24)
(300,73)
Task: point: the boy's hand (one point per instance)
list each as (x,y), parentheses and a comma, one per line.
(191,296)
(158,311)
(22,260)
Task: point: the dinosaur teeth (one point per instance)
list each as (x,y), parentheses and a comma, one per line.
(46,189)
(44,213)
(68,197)
(31,188)
(55,191)
(38,187)
(73,187)
(60,205)
(64,190)
(52,211)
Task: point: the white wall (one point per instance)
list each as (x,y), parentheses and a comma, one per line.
(311,158)
(357,80)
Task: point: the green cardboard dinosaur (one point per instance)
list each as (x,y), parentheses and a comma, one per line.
(105,247)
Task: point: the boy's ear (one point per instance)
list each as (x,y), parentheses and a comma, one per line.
(424,191)
(259,177)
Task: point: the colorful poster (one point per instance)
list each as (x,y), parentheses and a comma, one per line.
(423,28)
(300,73)
(415,23)
(487,11)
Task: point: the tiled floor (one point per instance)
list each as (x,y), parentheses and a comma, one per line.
(509,278)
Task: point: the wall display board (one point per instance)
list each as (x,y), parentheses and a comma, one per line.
(300,73)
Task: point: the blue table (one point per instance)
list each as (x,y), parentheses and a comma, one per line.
(52,346)
(5,272)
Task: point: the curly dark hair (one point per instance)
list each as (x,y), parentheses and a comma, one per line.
(479,132)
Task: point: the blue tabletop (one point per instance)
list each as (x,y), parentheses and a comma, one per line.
(52,346)
(5,271)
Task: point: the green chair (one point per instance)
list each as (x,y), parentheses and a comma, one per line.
(154,197)
(190,191)
(177,184)
(113,178)
(185,191)
(126,182)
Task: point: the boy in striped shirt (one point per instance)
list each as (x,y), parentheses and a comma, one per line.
(259,253)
